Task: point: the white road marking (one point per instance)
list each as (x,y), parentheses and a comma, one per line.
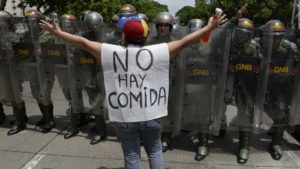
(34,161)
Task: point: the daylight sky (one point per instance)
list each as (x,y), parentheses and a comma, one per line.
(175,5)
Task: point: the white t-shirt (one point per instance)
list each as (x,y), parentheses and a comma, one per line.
(136,81)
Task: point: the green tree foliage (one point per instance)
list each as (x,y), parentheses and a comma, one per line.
(260,11)
(150,8)
(107,8)
(185,14)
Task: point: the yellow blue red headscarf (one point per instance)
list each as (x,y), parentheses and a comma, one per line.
(134,28)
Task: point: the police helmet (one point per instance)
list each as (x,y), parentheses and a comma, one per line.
(127,10)
(195,24)
(164,18)
(275,27)
(68,23)
(93,20)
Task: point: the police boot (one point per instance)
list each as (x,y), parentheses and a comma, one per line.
(41,121)
(73,128)
(166,141)
(202,150)
(223,129)
(270,131)
(100,130)
(21,119)
(48,119)
(2,115)
(275,147)
(84,119)
(244,143)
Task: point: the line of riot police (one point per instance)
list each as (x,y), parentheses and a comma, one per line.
(230,66)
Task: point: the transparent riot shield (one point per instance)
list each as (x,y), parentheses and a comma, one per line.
(245,62)
(95,83)
(67,75)
(111,34)
(172,123)
(178,31)
(294,115)
(220,50)
(266,51)
(45,86)
(23,50)
(10,83)
(54,53)
(152,30)
(95,88)
(203,89)
(282,85)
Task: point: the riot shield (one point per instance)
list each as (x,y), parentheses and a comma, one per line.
(54,53)
(294,115)
(178,31)
(152,29)
(67,74)
(170,124)
(95,84)
(277,95)
(204,67)
(11,89)
(280,82)
(43,81)
(245,62)
(266,51)
(111,34)
(222,44)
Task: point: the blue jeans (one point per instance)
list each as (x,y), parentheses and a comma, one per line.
(131,135)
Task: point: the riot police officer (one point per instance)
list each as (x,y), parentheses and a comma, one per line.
(284,58)
(5,17)
(95,86)
(244,51)
(198,90)
(164,22)
(69,79)
(41,87)
(9,79)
